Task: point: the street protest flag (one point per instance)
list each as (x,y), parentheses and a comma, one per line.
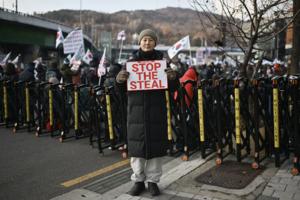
(88,57)
(38,60)
(5,59)
(184,43)
(121,35)
(69,57)
(78,55)
(101,69)
(59,37)
(16,60)
(67,60)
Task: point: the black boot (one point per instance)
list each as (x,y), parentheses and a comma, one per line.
(137,189)
(153,189)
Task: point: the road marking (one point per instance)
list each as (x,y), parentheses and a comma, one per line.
(95,173)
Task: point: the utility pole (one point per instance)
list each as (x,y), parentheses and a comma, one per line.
(295,65)
(280,39)
(80,15)
(16,5)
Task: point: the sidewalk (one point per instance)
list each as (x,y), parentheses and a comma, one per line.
(178,183)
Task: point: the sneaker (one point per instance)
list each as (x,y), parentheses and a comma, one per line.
(153,189)
(137,189)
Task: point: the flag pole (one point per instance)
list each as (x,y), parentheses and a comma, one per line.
(80,15)
(190,50)
(99,80)
(121,50)
(100,66)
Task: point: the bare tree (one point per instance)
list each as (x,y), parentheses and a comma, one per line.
(250,23)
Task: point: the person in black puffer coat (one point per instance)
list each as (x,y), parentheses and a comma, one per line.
(147,121)
(53,71)
(28,73)
(10,73)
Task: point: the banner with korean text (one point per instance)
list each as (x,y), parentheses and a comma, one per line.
(73,41)
(147,75)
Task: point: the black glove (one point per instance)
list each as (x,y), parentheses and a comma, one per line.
(171,74)
(122,76)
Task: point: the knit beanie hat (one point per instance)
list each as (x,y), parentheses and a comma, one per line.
(148,32)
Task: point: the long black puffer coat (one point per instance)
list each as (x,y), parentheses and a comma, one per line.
(28,73)
(147,117)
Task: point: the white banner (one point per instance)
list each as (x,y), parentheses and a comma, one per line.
(73,41)
(147,75)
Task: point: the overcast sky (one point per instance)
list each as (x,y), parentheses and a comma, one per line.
(108,6)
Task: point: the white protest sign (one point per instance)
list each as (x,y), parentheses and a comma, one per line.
(73,41)
(147,75)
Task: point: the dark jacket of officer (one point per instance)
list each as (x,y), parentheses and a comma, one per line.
(147,117)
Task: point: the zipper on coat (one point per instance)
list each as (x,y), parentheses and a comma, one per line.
(145,125)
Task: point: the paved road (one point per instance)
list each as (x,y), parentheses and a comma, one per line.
(35,168)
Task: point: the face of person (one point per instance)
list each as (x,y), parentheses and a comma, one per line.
(147,43)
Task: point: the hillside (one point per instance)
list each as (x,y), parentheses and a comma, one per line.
(170,23)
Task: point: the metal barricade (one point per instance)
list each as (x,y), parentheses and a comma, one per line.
(295,135)
(225,116)
(67,111)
